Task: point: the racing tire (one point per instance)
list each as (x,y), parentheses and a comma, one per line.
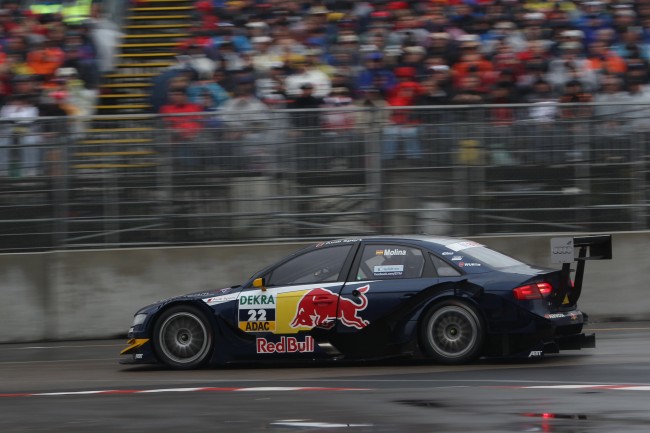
(183,337)
(452,332)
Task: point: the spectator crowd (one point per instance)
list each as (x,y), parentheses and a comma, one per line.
(50,65)
(248,57)
(245,58)
(415,52)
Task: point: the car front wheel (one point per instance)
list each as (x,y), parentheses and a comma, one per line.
(183,337)
(452,333)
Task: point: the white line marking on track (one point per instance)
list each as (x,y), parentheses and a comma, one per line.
(314,424)
(163,390)
(68,347)
(577,386)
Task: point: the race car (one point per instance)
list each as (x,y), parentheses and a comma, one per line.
(444,299)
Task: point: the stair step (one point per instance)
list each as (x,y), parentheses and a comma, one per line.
(158,35)
(142,75)
(123,95)
(113,130)
(123,107)
(145,65)
(132,55)
(118,153)
(149,45)
(160,17)
(157,26)
(104,165)
(117,141)
(165,1)
(125,85)
(161,8)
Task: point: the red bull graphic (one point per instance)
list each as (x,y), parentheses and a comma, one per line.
(318,308)
(285,345)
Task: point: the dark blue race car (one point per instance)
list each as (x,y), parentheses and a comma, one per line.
(449,300)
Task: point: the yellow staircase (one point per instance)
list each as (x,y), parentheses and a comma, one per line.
(125,140)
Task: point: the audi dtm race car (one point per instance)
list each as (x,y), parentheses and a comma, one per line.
(448,300)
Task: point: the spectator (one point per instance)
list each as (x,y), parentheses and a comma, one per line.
(404,122)
(576,133)
(571,66)
(80,55)
(20,130)
(472,62)
(106,37)
(54,132)
(603,61)
(307,121)
(45,58)
(611,119)
(263,58)
(376,74)
(272,85)
(247,121)
(305,72)
(469,91)
(184,128)
(206,84)
(372,113)
(539,129)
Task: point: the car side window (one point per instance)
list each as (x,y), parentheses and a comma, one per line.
(443,268)
(385,262)
(317,266)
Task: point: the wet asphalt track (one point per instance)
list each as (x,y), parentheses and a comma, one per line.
(606,389)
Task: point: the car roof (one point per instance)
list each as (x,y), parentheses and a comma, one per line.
(437,241)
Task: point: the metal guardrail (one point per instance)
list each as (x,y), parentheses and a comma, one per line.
(300,174)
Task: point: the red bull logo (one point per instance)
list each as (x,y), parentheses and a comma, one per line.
(285,345)
(318,308)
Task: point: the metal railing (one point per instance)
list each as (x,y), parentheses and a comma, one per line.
(300,174)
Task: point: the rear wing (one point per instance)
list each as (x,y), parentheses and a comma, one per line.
(563,250)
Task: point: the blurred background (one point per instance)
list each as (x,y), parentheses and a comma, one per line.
(173,122)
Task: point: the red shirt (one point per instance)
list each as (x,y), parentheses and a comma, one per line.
(186,126)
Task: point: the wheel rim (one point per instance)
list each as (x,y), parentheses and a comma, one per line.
(453,331)
(183,338)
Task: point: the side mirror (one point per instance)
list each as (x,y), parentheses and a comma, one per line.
(259,282)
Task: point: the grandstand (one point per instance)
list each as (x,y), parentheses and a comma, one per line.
(369,115)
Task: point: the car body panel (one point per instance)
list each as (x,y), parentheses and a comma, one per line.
(364,298)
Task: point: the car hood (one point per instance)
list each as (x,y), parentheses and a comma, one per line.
(190,296)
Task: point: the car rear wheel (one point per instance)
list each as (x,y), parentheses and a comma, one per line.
(452,333)
(183,337)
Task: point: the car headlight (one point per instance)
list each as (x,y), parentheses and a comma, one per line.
(139,319)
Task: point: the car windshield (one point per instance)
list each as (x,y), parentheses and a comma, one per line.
(490,257)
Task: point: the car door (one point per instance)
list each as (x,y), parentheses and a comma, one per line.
(299,295)
(384,276)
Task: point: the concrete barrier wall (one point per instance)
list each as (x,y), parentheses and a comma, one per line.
(93,294)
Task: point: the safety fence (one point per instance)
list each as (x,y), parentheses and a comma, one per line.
(262,175)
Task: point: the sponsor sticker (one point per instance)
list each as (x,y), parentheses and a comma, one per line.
(458,246)
(318,308)
(456,258)
(335,242)
(447,253)
(285,345)
(573,315)
(387,252)
(468,265)
(220,299)
(257,312)
(388,270)
(562,250)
